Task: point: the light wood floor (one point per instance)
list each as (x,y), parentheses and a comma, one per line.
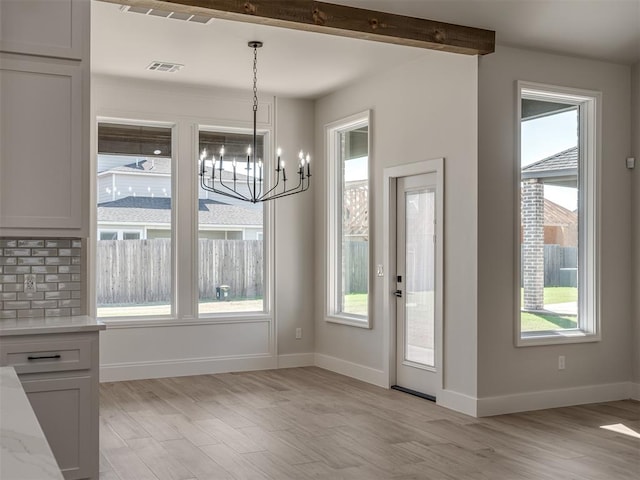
(308,423)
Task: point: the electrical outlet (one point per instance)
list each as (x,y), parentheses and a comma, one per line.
(561,363)
(298,333)
(30,283)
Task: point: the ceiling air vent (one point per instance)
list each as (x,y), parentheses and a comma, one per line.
(154,12)
(164,67)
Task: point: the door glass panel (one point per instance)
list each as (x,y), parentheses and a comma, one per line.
(420,277)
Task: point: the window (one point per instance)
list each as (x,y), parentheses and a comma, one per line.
(558,191)
(119,235)
(348,221)
(232,254)
(134,217)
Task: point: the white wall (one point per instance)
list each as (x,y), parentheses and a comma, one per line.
(422,110)
(295,240)
(189,346)
(504,369)
(635,151)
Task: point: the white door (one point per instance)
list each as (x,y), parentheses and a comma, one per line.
(417,331)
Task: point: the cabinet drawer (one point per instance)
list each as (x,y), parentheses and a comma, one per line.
(55,356)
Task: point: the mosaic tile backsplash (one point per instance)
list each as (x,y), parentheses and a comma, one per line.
(55,264)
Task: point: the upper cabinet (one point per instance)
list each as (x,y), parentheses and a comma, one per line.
(53,28)
(44,115)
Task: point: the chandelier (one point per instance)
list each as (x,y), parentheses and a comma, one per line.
(223,179)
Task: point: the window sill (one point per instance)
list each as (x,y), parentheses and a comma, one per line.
(532,339)
(359,322)
(149,322)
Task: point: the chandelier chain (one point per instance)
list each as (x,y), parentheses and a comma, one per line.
(255,79)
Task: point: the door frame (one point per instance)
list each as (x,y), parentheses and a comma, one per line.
(390,176)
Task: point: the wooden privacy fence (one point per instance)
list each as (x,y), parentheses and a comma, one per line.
(235,263)
(355,266)
(560,266)
(139,271)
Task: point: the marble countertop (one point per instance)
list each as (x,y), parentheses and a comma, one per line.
(24,451)
(34,326)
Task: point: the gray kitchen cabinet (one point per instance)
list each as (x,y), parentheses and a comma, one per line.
(59,374)
(44,119)
(63,409)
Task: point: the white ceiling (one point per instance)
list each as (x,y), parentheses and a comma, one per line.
(302,64)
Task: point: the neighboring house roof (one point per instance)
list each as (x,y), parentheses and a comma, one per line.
(561,165)
(555,214)
(148,210)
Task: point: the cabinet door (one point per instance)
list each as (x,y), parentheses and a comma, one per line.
(62,406)
(41,168)
(55,28)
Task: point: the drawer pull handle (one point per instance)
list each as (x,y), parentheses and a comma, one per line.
(44,357)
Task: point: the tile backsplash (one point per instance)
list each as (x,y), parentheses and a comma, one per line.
(58,266)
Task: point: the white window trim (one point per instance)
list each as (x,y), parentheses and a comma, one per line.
(267,230)
(589,105)
(332,269)
(137,320)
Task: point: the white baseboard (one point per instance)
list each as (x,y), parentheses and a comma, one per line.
(292,360)
(459,402)
(565,397)
(635,391)
(353,370)
(184,367)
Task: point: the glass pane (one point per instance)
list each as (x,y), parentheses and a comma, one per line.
(134,269)
(355,222)
(549,216)
(420,277)
(231,262)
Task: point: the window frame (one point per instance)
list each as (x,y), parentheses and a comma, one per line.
(120,232)
(151,319)
(333,268)
(588,103)
(268,220)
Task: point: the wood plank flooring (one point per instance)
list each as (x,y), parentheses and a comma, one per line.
(308,423)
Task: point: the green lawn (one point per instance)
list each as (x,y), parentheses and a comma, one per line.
(356,303)
(556,295)
(535,322)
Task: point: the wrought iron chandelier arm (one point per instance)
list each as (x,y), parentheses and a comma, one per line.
(272,188)
(287,193)
(233,193)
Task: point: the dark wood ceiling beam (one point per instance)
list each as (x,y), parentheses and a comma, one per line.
(321,17)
